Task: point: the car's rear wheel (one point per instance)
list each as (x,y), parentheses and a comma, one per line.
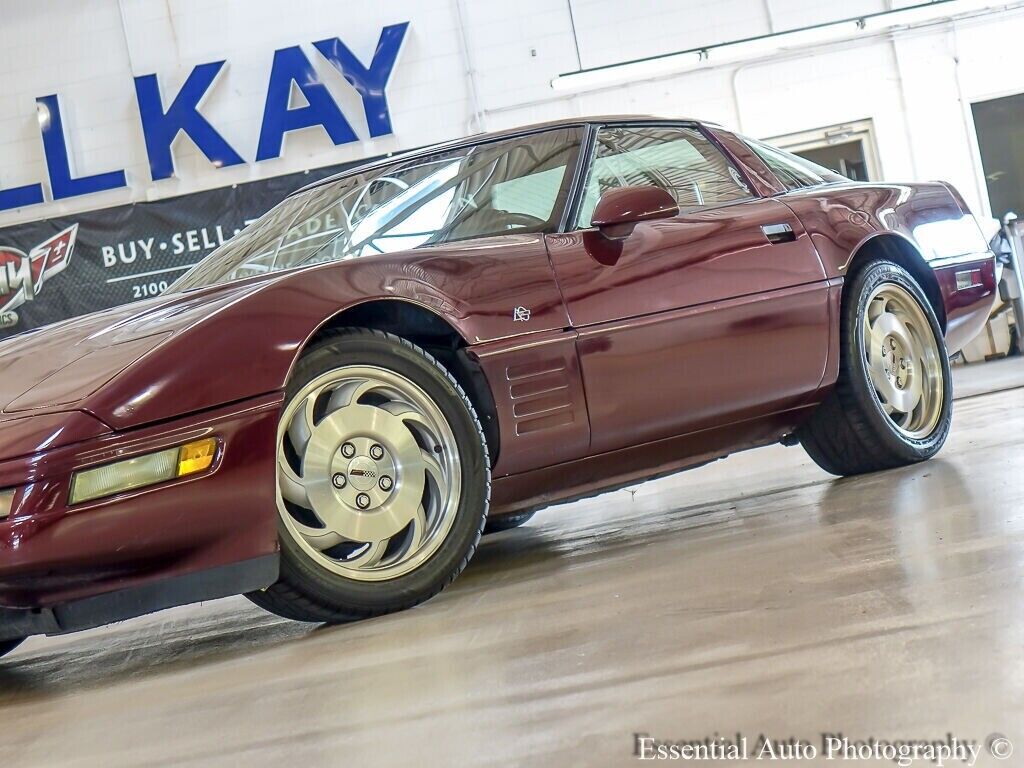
(507,522)
(383,480)
(6,646)
(892,404)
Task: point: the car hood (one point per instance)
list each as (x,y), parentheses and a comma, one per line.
(23,435)
(57,367)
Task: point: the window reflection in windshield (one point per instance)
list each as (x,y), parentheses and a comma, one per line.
(515,185)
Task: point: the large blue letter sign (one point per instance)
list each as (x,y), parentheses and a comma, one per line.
(292,66)
(161,128)
(19,197)
(371,82)
(58,164)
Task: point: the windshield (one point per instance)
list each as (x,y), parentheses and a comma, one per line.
(516,185)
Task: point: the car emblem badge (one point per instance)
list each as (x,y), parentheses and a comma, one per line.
(22,275)
(520,315)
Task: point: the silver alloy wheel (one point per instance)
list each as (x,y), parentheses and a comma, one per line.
(903,360)
(368,472)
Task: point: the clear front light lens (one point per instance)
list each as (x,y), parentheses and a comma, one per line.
(124,476)
(143,471)
(6,502)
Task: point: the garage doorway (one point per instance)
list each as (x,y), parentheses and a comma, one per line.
(999,125)
(848,149)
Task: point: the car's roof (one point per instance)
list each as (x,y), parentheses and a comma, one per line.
(590,119)
(480,138)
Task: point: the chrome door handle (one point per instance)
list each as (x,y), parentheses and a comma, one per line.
(778,233)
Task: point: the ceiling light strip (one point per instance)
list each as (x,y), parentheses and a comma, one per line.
(761,45)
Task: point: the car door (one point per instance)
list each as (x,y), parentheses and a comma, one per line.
(718,314)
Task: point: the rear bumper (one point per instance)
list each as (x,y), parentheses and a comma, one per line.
(142,550)
(968,288)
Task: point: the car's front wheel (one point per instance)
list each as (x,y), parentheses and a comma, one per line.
(383,480)
(892,404)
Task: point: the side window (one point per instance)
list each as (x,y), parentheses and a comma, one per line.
(679,160)
(794,172)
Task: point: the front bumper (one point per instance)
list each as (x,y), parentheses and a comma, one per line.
(152,595)
(54,556)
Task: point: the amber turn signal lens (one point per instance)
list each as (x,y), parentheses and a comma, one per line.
(196,457)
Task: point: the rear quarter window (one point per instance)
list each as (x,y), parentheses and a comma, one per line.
(793,171)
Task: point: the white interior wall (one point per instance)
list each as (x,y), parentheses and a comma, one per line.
(470,64)
(610,30)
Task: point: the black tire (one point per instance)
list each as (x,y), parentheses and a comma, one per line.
(6,646)
(849,433)
(306,591)
(507,522)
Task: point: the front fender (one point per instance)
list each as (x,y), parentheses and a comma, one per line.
(244,349)
(247,346)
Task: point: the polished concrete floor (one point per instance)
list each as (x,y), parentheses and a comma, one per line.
(756,595)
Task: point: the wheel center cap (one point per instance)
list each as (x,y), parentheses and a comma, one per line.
(362,473)
(894,360)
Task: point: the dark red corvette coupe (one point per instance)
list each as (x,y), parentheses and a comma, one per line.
(327,412)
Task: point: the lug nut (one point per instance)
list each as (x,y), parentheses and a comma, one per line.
(348,450)
(362,501)
(339,481)
(376,452)
(385,483)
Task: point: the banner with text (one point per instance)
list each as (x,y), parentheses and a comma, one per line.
(60,268)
